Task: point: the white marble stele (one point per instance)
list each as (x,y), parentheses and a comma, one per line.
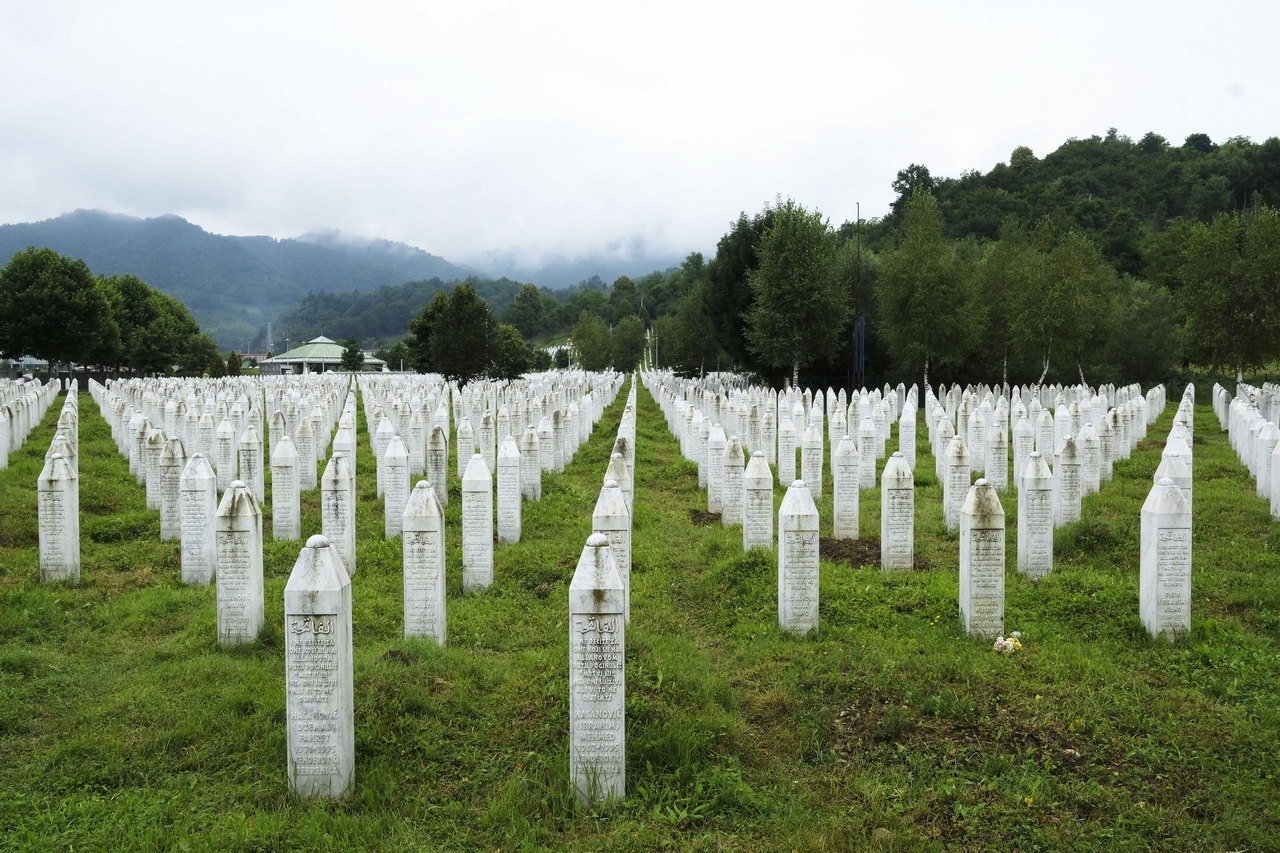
(1165,562)
(798,561)
(238,569)
(319,681)
(477,525)
(897,514)
(424,564)
(757,504)
(597,675)
(982,562)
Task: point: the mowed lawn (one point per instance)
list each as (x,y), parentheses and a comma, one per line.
(123,726)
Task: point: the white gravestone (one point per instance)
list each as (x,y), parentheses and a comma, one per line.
(173,460)
(1035,518)
(238,543)
(845,474)
(597,675)
(338,509)
(58,502)
(811,451)
(1165,562)
(286,515)
(530,465)
(798,561)
(424,564)
(224,454)
(306,447)
(757,504)
(955,484)
(509,517)
(897,514)
(867,444)
(619,471)
(251,462)
(477,525)
(612,519)
(395,485)
(319,680)
(1067,483)
(198,508)
(734,465)
(786,451)
(438,463)
(982,562)
(716,444)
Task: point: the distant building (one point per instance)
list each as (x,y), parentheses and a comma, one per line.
(315,356)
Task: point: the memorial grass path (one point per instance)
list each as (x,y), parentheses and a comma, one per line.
(124,726)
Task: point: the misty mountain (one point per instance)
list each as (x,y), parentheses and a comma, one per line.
(232,285)
(558,272)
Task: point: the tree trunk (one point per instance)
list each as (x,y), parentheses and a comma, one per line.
(926,372)
(795,374)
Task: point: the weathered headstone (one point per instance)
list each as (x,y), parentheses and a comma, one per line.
(251,462)
(612,519)
(477,525)
(395,485)
(597,675)
(1066,483)
(530,465)
(786,451)
(224,454)
(338,509)
(1035,518)
(198,509)
(173,461)
(424,564)
(897,514)
(716,444)
(844,498)
(757,507)
(811,452)
(319,674)
(438,463)
(58,516)
(286,487)
(982,562)
(305,442)
(509,515)
(238,543)
(955,485)
(798,561)
(731,511)
(1165,562)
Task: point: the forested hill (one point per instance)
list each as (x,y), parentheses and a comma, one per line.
(232,285)
(1122,193)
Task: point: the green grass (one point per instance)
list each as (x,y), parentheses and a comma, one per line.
(123,725)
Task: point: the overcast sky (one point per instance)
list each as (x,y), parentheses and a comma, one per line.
(569,127)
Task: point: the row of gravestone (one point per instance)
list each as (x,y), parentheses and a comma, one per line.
(1047,499)
(23,404)
(318,654)
(1250,420)
(58,498)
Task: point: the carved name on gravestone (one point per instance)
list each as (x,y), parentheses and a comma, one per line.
(1165,562)
(424,564)
(597,675)
(477,525)
(757,506)
(798,561)
(982,562)
(238,572)
(319,680)
(897,514)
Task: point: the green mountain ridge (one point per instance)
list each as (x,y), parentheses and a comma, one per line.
(233,285)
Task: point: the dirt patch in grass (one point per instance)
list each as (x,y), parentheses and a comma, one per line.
(859,552)
(703,519)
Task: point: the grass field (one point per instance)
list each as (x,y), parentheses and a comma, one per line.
(123,725)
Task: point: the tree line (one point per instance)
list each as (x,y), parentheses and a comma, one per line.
(53,308)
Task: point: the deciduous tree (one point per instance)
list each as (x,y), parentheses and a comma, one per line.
(798,306)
